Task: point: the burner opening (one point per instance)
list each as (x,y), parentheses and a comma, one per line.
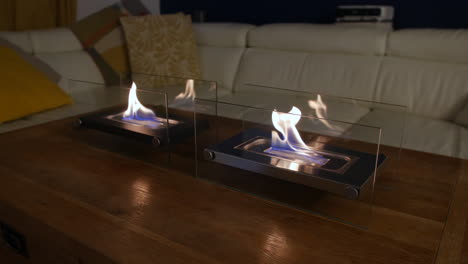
(306,159)
(318,165)
(153,123)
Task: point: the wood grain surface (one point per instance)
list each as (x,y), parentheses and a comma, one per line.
(82,196)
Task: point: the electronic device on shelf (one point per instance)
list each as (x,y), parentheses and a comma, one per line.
(364,13)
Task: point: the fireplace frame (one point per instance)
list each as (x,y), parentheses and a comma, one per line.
(349,183)
(181,125)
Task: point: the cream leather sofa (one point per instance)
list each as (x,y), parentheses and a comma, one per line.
(424,70)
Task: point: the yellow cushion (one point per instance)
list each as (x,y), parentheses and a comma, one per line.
(24,90)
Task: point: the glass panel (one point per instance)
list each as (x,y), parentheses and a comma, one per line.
(181,93)
(180,90)
(301,161)
(390,118)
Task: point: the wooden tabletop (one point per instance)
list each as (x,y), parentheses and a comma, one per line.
(86,197)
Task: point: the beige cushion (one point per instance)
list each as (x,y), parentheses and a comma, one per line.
(76,65)
(50,115)
(319,38)
(19,124)
(60,49)
(64,112)
(220,64)
(274,68)
(343,75)
(430,135)
(54,40)
(221,46)
(462,117)
(20,39)
(411,132)
(162,45)
(222,34)
(463,144)
(430,44)
(431,89)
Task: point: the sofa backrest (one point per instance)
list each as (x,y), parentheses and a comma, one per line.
(425,70)
(335,60)
(221,46)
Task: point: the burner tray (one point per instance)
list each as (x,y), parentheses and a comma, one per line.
(110,120)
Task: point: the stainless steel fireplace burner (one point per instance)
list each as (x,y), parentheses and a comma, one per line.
(154,132)
(334,169)
(158,123)
(309,160)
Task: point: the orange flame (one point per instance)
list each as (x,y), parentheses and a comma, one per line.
(188,94)
(321,111)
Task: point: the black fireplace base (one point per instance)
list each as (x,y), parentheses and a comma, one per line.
(180,125)
(346,174)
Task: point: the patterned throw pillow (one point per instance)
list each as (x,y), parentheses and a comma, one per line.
(161,45)
(102,36)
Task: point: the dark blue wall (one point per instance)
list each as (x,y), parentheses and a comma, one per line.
(409,13)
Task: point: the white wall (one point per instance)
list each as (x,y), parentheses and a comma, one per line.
(86,7)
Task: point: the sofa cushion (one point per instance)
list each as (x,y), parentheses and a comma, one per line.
(274,68)
(227,35)
(25,89)
(412,132)
(463,144)
(20,39)
(220,64)
(319,38)
(50,115)
(462,117)
(432,89)
(430,44)
(54,40)
(162,45)
(35,62)
(343,75)
(19,124)
(221,46)
(431,135)
(64,112)
(75,65)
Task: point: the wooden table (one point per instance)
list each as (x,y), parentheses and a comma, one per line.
(85,197)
